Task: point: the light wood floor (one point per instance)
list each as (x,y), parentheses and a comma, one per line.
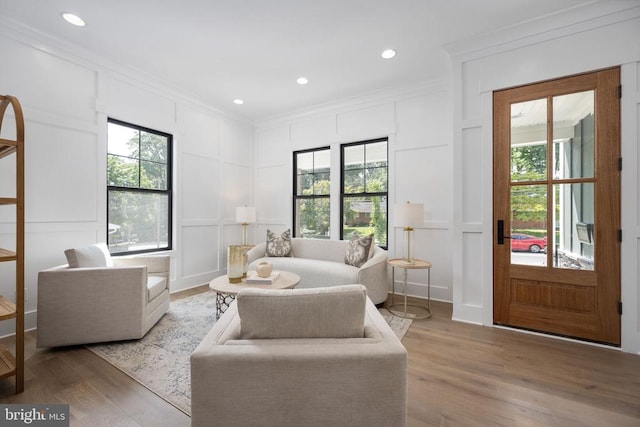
(459,375)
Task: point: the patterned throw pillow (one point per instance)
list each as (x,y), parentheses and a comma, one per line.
(279,246)
(358,250)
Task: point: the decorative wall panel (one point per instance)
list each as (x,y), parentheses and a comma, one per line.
(313,133)
(367,122)
(136,104)
(421,120)
(274,187)
(199,132)
(425,176)
(60,175)
(235,189)
(47,83)
(237,143)
(201,250)
(472,269)
(471,170)
(200,188)
(272,145)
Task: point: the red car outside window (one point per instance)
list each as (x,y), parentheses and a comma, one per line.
(527,243)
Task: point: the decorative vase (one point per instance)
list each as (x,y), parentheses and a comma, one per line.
(264,269)
(245,260)
(235,263)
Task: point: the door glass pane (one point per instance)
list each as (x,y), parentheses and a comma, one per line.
(529,141)
(529,225)
(573,135)
(574,237)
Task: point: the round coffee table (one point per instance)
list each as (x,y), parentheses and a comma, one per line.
(226,292)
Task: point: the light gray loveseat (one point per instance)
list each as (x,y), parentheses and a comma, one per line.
(320,262)
(300,357)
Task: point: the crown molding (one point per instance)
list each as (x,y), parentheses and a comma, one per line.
(594,14)
(365,100)
(54,46)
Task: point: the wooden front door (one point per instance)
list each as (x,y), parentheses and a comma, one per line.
(556,188)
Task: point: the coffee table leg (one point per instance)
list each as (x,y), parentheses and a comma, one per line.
(223,301)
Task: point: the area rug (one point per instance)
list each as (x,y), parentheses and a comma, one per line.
(160,360)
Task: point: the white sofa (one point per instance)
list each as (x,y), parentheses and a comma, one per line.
(300,357)
(84,305)
(320,262)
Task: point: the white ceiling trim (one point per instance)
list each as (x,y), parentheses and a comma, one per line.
(35,39)
(356,102)
(574,20)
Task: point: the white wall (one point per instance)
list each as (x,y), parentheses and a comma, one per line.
(602,36)
(417,122)
(66,102)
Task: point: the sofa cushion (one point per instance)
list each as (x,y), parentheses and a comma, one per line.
(89,256)
(319,249)
(278,246)
(313,272)
(333,312)
(155,286)
(358,250)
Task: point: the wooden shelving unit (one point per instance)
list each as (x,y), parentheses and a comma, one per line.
(12,363)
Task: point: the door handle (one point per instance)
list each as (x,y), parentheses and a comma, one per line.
(501,235)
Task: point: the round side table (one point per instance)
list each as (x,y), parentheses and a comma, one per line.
(404,309)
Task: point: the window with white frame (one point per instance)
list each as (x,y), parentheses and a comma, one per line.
(138,188)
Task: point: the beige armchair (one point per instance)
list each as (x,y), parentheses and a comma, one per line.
(100,304)
(300,357)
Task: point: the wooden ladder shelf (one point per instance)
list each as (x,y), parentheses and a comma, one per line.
(12,363)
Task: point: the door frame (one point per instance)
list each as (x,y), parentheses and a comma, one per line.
(609,201)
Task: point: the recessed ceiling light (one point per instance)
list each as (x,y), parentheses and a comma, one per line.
(302,81)
(73,19)
(388,53)
(238,101)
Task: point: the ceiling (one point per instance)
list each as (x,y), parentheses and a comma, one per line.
(218,50)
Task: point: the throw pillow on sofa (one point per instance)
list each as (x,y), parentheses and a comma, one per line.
(279,246)
(358,250)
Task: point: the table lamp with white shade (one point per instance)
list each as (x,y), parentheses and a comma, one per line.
(408,215)
(245,215)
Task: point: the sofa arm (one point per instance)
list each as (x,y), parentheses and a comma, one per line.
(374,275)
(258,251)
(156,265)
(84,305)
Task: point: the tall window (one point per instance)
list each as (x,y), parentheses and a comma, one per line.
(138,188)
(364,189)
(311,194)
